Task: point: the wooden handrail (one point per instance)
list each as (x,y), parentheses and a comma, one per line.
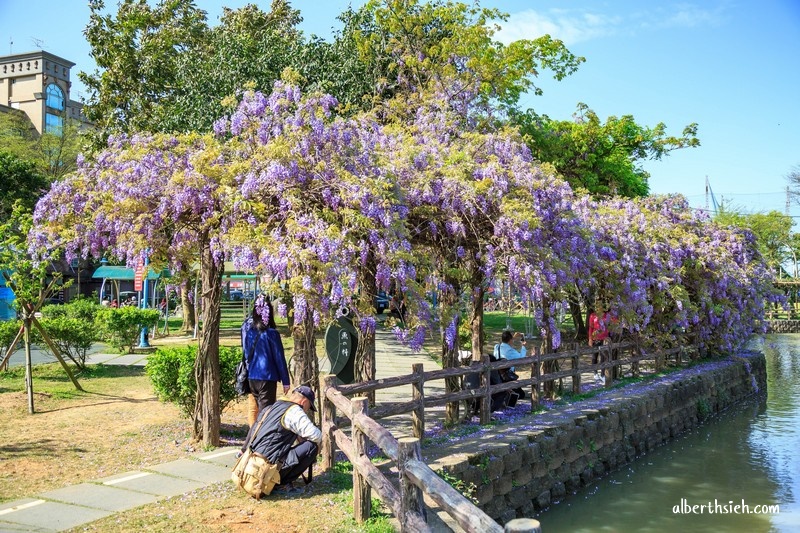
(456,504)
(404,503)
(364,426)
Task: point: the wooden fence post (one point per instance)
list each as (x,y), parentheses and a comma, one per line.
(328,448)
(608,372)
(362,493)
(576,371)
(536,371)
(418,395)
(410,495)
(486,400)
(523,525)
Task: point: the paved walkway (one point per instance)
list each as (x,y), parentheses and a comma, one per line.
(72,506)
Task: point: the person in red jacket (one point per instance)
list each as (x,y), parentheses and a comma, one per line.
(599,323)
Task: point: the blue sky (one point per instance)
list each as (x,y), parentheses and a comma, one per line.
(731,66)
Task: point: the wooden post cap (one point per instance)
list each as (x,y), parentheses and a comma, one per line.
(523,525)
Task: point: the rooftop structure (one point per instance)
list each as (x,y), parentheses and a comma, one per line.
(38,84)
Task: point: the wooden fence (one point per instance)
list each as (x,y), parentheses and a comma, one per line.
(414,475)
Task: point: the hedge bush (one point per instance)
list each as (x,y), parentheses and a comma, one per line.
(171,371)
(79,309)
(8,331)
(121,327)
(73,337)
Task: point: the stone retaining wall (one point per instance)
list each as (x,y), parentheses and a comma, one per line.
(520,469)
(783,326)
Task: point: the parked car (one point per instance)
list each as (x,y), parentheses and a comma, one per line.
(381,302)
(236,296)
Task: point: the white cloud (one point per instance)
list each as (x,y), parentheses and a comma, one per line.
(690,15)
(573,26)
(569,26)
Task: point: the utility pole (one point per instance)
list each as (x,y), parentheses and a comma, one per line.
(788,197)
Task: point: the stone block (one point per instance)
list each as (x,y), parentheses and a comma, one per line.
(543,500)
(507,516)
(518,497)
(573,484)
(484,493)
(503,485)
(522,477)
(558,491)
(513,462)
(495,467)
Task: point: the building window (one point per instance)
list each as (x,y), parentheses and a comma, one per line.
(53,123)
(55,97)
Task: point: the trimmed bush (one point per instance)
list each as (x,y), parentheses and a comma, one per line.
(121,327)
(171,371)
(73,337)
(8,331)
(79,309)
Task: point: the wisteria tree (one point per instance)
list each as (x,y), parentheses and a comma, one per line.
(320,214)
(672,276)
(162,197)
(479,200)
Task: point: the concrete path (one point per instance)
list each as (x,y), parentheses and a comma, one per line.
(72,506)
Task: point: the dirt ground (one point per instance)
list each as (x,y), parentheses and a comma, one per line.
(118,425)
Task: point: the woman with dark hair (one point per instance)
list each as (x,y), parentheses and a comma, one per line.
(266,363)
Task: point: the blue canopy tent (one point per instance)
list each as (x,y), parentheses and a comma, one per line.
(115,274)
(6,299)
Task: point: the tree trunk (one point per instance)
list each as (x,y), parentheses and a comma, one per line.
(305,367)
(364,364)
(547,347)
(476,319)
(452,384)
(187,328)
(581,331)
(449,300)
(206,369)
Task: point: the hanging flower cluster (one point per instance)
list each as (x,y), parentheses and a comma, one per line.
(326,206)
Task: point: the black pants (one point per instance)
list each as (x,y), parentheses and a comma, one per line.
(297,461)
(265,392)
(595,355)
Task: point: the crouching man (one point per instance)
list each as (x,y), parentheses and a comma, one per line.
(287,436)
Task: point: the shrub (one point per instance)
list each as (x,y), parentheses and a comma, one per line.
(8,331)
(73,337)
(171,371)
(121,327)
(80,309)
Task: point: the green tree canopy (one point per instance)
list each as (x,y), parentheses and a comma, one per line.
(449,48)
(53,154)
(21,182)
(138,53)
(603,158)
(773,232)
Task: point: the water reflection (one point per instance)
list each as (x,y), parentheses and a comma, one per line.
(750,453)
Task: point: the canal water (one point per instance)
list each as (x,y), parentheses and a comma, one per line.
(747,456)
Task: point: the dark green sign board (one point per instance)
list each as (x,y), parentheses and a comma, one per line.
(341,341)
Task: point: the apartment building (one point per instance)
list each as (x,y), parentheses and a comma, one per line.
(38,84)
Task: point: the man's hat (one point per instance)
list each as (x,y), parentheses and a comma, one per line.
(308,393)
